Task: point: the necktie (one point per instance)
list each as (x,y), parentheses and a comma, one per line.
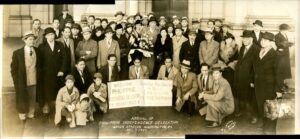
(203,83)
(82,77)
(30,52)
(137,73)
(286,36)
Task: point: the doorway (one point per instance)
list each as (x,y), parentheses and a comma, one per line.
(168,8)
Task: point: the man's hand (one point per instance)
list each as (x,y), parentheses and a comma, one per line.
(186,96)
(201,95)
(60,74)
(252,85)
(279,94)
(178,101)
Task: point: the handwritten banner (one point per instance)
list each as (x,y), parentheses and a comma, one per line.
(132,93)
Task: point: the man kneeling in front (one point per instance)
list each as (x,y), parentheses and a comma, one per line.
(220,101)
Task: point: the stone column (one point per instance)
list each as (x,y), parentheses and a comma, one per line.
(131,7)
(19,20)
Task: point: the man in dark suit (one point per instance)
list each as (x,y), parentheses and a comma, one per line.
(110,71)
(266,83)
(76,34)
(189,51)
(199,33)
(185,26)
(83,78)
(25,73)
(63,18)
(257,34)
(53,67)
(55,26)
(243,90)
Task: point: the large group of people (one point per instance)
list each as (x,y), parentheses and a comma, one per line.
(71,63)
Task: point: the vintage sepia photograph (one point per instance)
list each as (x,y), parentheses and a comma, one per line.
(149,69)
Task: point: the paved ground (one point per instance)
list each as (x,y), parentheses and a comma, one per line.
(44,126)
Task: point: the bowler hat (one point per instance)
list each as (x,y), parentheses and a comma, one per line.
(247,33)
(118,26)
(175,17)
(119,13)
(138,14)
(49,30)
(184,18)
(178,26)
(192,31)
(258,22)
(108,29)
(162,18)
(268,36)
(284,27)
(86,29)
(186,64)
(152,18)
(98,75)
(70,77)
(28,34)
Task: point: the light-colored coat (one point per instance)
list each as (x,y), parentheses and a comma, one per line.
(72,49)
(208,52)
(220,102)
(104,51)
(187,85)
(162,72)
(144,72)
(63,99)
(39,37)
(103,90)
(176,50)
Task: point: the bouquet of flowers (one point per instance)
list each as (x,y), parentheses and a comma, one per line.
(146,46)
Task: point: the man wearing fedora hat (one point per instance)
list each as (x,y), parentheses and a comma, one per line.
(175,20)
(190,51)
(177,41)
(209,49)
(200,34)
(225,31)
(257,34)
(219,100)
(186,83)
(87,49)
(243,89)
(76,35)
(53,69)
(119,17)
(266,80)
(283,45)
(25,71)
(162,22)
(106,47)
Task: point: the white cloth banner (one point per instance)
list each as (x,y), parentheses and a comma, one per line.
(140,92)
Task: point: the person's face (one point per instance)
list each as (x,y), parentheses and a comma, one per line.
(50,37)
(204,70)
(163,33)
(208,36)
(138,26)
(137,18)
(98,33)
(265,43)
(119,17)
(67,33)
(55,24)
(91,20)
(195,26)
(228,40)
(75,31)
(129,30)
(216,74)
(217,28)
(29,41)
(112,61)
(170,29)
(247,40)
(176,21)
(80,65)
(137,63)
(119,31)
(218,24)
(168,62)
(86,35)
(65,12)
(162,22)
(113,26)
(257,27)
(109,35)
(36,24)
(184,23)
(152,24)
(184,70)
(145,22)
(69,84)
(104,24)
(97,23)
(178,32)
(210,24)
(225,29)
(68,25)
(98,81)
(130,20)
(192,37)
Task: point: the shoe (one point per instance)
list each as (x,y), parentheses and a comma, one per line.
(22,117)
(46,109)
(214,124)
(30,116)
(253,120)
